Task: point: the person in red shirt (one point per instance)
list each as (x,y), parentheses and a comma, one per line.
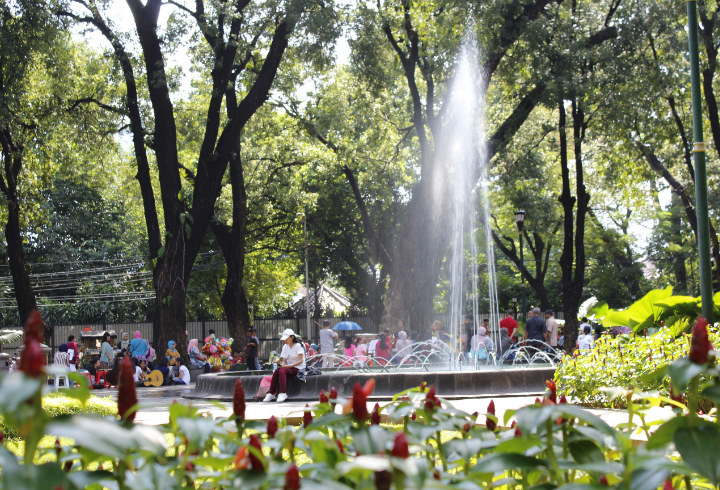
(509,323)
(74,358)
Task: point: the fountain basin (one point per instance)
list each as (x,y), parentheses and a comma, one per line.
(486,382)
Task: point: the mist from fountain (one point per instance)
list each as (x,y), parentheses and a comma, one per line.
(466,166)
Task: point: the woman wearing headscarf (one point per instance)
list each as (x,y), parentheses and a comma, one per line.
(138,347)
(506,342)
(125,341)
(402,344)
(107,354)
(197,360)
(480,339)
(172,354)
(61,357)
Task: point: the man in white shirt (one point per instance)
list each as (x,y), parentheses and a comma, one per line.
(327,344)
(183,377)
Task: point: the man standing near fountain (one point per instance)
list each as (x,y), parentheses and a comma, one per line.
(552,329)
(535,329)
(327,344)
(509,323)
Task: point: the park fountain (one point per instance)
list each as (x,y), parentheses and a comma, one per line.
(443,364)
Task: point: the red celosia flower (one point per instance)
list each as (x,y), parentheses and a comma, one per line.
(563,400)
(383,480)
(241,460)
(333,393)
(436,474)
(400,446)
(431,401)
(127,396)
(668,485)
(552,395)
(255,462)
(2,437)
(423,386)
(272,427)
(32,359)
(58,448)
(340,446)
(700,344)
(490,423)
(307,416)
(466,427)
(359,404)
(239,402)
(292,478)
(323,397)
(603,481)
(413,416)
(375,415)
(537,400)
(675,395)
(34,326)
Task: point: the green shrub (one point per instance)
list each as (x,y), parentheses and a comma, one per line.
(55,404)
(625,361)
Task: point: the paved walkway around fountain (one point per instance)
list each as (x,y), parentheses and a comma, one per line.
(154,403)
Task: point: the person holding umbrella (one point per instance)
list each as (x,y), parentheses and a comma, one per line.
(327,344)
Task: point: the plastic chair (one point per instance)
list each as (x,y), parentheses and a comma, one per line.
(100,378)
(59,374)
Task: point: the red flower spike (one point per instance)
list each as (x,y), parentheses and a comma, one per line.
(490,423)
(375,415)
(431,401)
(241,460)
(466,427)
(359,404)
(563,400)
(400,446)
(272,427)
(383,480)
(239,402)
(32,359)
(292,478)
(668,485)
(127,396)
(34,326)
(323,397)
(255,462)
(58,448)
(2,437)
(340,446)
(518,432)
(552,395)
(413,416)
(423,386)
(307,416)
(333,393)
(436,474)
(537,401)
(603,481)
(700,344)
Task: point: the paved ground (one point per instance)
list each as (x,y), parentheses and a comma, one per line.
(154,404)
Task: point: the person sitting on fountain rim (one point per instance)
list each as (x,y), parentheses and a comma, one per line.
(292,360)
(536,330)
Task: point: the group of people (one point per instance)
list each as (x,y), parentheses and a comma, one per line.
(380,350)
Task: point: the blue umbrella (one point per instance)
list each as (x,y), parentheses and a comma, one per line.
(347,326)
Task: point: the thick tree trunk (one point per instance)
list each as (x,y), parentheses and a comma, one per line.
(24,294)
(170,282)
(232,243)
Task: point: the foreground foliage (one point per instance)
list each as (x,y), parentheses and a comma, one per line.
(430,444)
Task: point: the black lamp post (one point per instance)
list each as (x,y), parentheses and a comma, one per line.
(519,221)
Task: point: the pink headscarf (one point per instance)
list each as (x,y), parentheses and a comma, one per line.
(193,343)
(137,334)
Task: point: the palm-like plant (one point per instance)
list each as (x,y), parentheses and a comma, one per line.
(7,336)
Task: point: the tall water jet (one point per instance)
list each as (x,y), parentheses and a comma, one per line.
(465,164)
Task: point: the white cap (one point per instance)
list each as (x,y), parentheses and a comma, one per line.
(287,333)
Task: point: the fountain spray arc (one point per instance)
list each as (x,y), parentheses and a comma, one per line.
(465,164)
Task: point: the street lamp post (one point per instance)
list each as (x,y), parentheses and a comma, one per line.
(520,221)
(701,203)
(307,280)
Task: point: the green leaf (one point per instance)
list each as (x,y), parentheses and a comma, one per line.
(586,451)
(665,433)
(682,371)
(500,462)
(700,450)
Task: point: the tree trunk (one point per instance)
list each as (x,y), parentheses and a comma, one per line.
(572,260)
(232,243)
(24,294)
